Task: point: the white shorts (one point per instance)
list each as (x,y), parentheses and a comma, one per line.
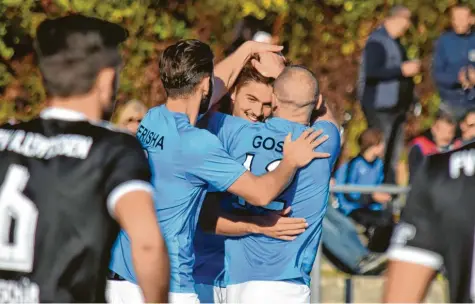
(210,294)
(268,292)
(124,292)
(183,298)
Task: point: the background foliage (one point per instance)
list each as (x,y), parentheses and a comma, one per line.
(325,35)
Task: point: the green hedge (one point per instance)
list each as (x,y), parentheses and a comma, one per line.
(326,35)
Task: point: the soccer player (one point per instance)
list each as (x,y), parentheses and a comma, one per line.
(186,160)
(259,268)
(436,228)
(251,99)
(67,178)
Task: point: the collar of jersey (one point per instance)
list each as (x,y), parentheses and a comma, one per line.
(282,124)
(62,114)
(179,115)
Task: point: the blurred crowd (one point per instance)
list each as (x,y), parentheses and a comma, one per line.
(386,92)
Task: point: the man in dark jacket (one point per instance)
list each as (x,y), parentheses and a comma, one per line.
(385,87)
(439,138)
(453,63)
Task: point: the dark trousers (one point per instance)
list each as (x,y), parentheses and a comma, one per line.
(379,226)
(392,126)
(369,218)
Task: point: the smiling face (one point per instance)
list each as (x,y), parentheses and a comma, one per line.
(252,101)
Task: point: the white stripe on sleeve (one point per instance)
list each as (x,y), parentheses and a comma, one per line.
(415,255)
(124,188)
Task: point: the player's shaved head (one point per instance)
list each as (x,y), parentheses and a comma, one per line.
(296,86)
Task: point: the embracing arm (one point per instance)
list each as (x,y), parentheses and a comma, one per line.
(296,155)
(215,220)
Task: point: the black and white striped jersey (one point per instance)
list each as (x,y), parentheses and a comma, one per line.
(60,178)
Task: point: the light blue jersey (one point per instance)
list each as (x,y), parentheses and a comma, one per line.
(259,148)
(209,264)
(184,160)
(209,253)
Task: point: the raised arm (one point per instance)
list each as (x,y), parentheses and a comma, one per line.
(261,190)
(227,71)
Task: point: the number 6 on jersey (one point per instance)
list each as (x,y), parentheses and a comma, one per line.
(18,218)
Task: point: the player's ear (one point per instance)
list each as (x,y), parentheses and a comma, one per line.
(204,86)
(233,95)
(319,102)
(105,85)
(274,102)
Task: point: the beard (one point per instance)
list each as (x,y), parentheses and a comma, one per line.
(206,99)
(108,110)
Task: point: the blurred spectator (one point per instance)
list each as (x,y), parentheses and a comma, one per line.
(385,85)
(131,114)
(438,138)
(453,63)
(340,239)
(364,169)
(467,126)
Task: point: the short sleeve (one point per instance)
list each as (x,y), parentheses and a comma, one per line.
(208,162)
(128,170)
(150,139)
(416,239)
(225,127)
(332,144)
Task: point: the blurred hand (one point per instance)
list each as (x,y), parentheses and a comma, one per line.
(411,68)
(278,226)
(382,197)
(254,47)
(471,75)
(269,64)
(332,181)
(463,80)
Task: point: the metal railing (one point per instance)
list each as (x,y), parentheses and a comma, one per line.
(397,204)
